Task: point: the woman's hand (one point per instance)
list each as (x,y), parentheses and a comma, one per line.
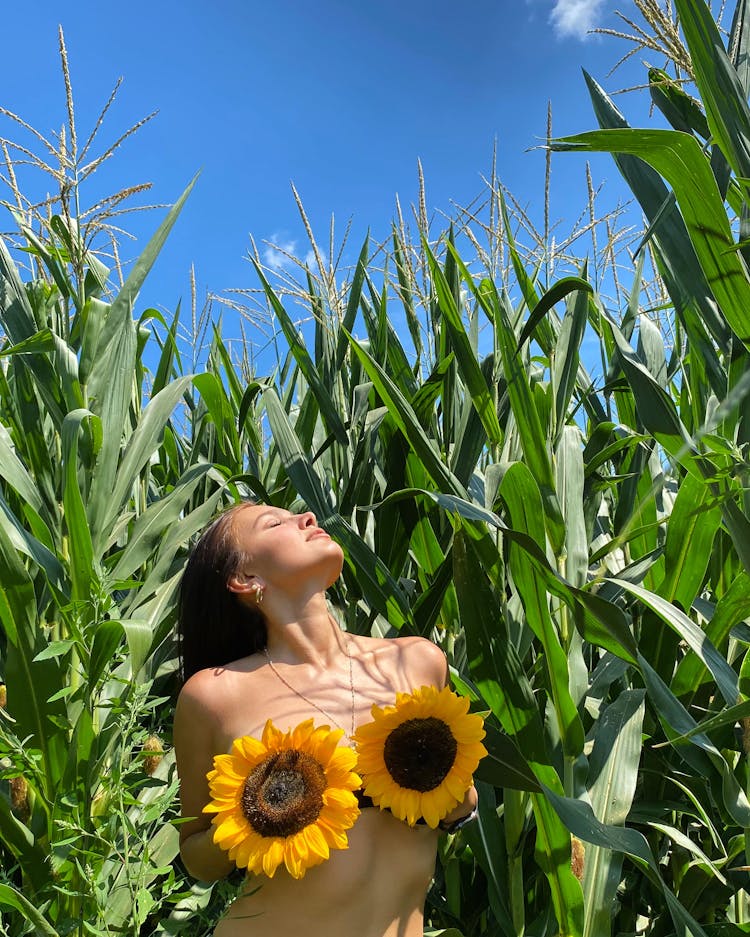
(464,809)
(203,859)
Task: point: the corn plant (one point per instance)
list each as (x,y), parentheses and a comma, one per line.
(577,545)
(101,491)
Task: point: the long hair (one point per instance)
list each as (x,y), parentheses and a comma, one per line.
(214,626)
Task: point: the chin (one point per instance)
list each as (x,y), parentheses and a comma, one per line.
(337,564)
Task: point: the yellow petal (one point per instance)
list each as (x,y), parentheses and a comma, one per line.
(273,856)
(315,841)
(300,736)
(252,750)
(341,800)
(455,786)
(272,737)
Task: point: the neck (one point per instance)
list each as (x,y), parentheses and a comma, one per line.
(304,633)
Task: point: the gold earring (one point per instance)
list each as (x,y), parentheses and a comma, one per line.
(258,590)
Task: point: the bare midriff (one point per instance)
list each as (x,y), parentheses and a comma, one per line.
(375,888)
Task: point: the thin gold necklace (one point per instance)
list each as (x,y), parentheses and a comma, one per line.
(312,702)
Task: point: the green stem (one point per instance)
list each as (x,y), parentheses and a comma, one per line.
(514,815)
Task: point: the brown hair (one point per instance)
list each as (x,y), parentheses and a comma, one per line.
(214,626)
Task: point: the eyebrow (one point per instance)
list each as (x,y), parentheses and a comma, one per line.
(266,514)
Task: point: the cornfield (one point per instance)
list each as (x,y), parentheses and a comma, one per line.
(579,545)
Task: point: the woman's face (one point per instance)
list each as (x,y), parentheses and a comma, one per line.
(286,551)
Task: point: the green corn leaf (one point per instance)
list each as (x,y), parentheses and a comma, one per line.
(678,262)
(570,486)
(35,682)
(732,607)
(505,766)
(726,717)
(18,321)
(170,352)
(613,774)
(141,446)
(30,545)
(14,472)
(721,90)
(12,898)
(386,346)
(565,364)
(556,293)
(599,621)
(692,635)
(579,818)
(81,550)
(655,408)
(525,411)
(466,359)
(328,410)
(682,111)
(41,341)
(407,422)
(222,418)
(110,382)
(120,312)
(678,157)
(500,678)
(521,495)
(677,722)
(687,844)
(406,294)
(485,838)
(352,304)
(151,527)
(693,523)
(107,637)
(160,580)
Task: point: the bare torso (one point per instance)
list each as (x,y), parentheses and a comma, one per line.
(376,887)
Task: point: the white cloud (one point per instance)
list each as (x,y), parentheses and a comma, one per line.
(274,252)
(575,17)
(277,246)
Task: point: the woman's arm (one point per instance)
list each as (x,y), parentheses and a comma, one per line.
(194,752)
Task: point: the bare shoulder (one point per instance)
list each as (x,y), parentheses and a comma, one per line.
(418,661)
(423,659)
(198,694)
(207,693)
(198,708)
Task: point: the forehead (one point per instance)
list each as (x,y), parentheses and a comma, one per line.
(252,515)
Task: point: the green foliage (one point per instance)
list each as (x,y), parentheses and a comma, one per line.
(581,552)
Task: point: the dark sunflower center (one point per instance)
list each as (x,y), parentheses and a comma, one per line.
(419,753)
(284,793)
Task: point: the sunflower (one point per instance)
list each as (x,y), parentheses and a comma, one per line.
(417,757)
(286,798)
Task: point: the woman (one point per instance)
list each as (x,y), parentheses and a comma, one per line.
(258,643)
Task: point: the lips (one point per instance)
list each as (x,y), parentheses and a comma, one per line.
(319,533)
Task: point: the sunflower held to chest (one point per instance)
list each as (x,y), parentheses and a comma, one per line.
(285,798)
(417,757)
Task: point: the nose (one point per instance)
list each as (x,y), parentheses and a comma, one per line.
(308,519)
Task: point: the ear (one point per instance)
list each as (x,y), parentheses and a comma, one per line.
(243,583)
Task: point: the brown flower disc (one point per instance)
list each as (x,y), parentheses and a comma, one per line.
(284,793)
(419,753)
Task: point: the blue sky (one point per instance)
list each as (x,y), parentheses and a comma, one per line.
(340,98)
